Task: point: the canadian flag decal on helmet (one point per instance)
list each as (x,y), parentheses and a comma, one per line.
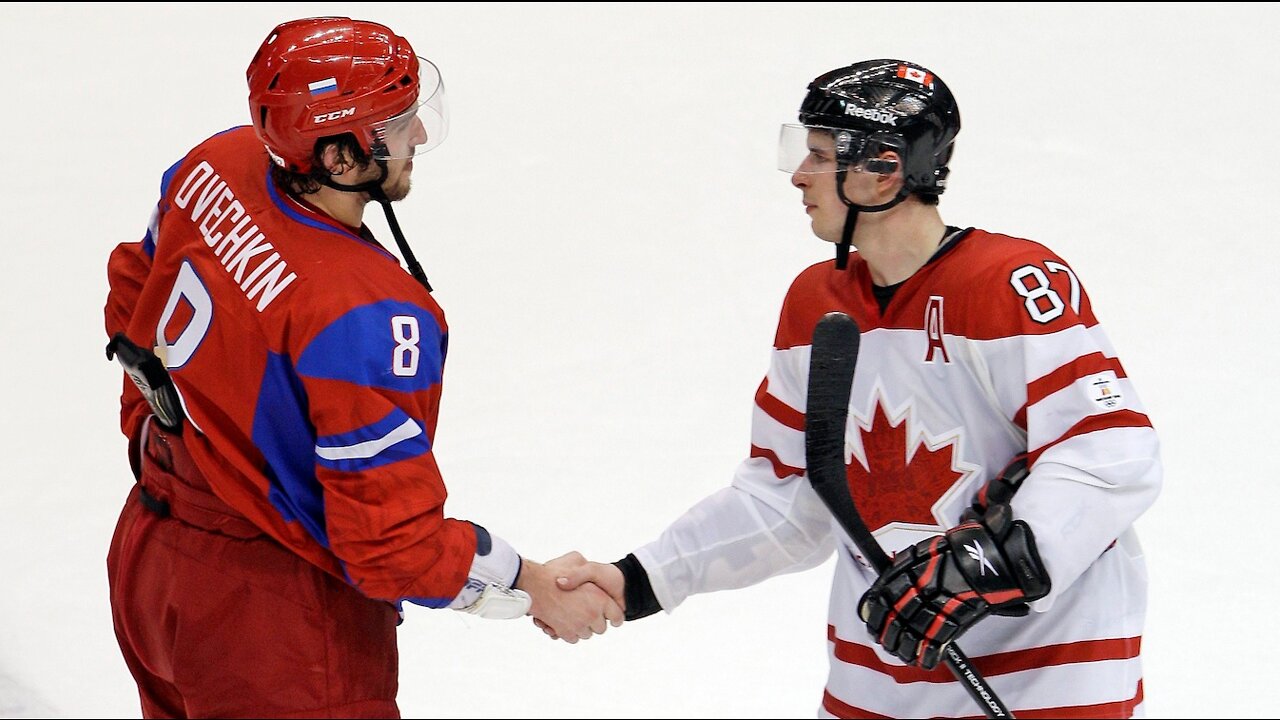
(917,75)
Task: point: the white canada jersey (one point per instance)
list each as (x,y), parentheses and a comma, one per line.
(989,350)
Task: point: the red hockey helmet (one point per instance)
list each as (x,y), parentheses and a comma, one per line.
(320,77)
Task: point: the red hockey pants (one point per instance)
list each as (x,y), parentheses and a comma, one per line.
(216,619)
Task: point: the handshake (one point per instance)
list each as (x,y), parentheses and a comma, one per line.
(573,599)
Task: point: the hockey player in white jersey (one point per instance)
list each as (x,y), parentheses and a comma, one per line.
(986,391)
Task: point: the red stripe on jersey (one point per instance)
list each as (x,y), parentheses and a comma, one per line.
(1121,709)
(994,664)
(844,710)
(1094,423)
(1060,654)
(1100,711)
(780,469)
(1084,366)
(778,410)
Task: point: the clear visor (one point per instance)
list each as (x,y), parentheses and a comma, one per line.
(419,128)
(818,149)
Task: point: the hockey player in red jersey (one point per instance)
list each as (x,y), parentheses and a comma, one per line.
(288,376)
(981,357)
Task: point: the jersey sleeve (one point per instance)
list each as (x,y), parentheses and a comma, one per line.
(1095,464)
(127,270)
(365,484)
(769,521)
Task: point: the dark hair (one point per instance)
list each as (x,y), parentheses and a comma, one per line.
(299,184)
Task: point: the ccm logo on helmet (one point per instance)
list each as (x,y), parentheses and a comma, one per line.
(335,115)
(879,116)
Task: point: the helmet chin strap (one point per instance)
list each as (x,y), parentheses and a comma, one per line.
(851,218)
(374,188)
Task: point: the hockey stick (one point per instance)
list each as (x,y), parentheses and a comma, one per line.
(831,364)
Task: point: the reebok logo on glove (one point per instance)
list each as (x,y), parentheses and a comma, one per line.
(980,557)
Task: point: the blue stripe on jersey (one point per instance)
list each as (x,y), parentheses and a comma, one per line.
(387,344)
(395,437)
(149,242)
(436,603)
(284,435)
(296,216)
(317,224)
(167,178)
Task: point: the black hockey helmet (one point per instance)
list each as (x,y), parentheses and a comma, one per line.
(888,104)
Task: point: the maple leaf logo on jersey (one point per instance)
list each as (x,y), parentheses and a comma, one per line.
(904,474)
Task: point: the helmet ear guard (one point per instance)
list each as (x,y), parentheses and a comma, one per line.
(880,166)
(861,151)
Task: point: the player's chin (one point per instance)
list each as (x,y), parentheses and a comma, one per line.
(824,231)
(398,191)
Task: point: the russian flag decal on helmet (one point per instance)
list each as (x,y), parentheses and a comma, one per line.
(323,86)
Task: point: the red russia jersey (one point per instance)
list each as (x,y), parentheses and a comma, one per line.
(989,350)
(309,364)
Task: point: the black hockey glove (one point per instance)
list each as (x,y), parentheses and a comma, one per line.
(1000,490)
(939,588)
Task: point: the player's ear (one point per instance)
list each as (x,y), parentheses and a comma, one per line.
(336,159)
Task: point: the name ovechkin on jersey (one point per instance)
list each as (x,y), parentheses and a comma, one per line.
(215,210)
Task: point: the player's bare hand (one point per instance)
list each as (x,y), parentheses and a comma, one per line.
(567,614)
(605,576)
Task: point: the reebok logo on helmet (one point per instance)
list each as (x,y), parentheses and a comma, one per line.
(872,114)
